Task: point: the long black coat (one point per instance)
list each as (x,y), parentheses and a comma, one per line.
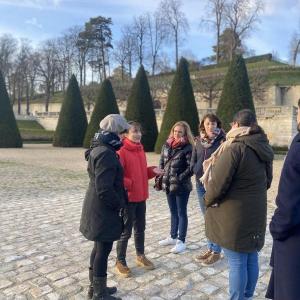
(101,219)
(177,175)
(285,229)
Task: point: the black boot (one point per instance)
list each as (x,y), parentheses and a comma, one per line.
(110,290)
(91,288)
(100,289)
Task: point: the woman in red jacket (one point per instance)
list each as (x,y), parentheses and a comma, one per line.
(136,176)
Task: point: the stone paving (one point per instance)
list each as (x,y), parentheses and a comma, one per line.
(44,256)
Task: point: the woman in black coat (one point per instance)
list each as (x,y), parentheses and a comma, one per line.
(101,219)
(285,229)
(176,182)
(211,135)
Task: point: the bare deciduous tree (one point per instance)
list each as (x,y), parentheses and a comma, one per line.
(8,49)
(130,47)
(120,55)
(139,28)
(157,33)
(295,48)
(259,83)
(215,11)
(175,20)
(209,87)
(65,54)
(241,17)
(48,69)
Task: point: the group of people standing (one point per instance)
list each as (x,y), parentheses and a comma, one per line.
(233,172)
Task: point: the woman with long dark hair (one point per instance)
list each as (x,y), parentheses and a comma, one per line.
(211,135)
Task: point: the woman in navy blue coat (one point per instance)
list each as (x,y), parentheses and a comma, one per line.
(285,229)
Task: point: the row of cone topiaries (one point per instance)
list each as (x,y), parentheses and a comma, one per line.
(72,128)
(9,132)
(181,106)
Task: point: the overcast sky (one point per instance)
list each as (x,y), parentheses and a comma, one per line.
(38,20)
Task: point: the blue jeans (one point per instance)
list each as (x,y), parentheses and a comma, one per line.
(201,192)
(179,220)
(243,273)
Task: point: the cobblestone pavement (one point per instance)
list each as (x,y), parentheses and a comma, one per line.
(44,256)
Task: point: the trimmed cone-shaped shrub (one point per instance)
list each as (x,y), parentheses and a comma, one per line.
(72,121)
(181,105)
(140,109)
(236,93)
(105,104)
(9,133)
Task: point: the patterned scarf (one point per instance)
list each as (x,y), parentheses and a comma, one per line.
(206,141)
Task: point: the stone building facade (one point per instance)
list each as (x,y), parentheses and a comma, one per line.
(276,114)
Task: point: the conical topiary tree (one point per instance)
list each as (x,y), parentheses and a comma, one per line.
(140,108)
(72,122)
(9,133)
(236,93)
(105,104)
(181,104)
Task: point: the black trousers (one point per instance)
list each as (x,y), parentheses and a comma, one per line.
(99,257)
(134,217)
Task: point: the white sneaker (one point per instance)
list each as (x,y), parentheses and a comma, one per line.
(179,247)
(168,241)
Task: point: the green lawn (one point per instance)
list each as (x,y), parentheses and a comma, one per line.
(32,131)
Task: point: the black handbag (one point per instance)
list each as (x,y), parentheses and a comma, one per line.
(158,182)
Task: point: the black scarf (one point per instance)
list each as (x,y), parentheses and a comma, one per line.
(105,137)
(109,138)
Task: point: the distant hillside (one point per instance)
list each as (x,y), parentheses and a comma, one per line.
(274,71)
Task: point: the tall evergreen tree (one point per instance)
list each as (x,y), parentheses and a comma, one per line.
(236,93)
(181,104)
(105,104)
(140,108)
(9,133)
(72,122)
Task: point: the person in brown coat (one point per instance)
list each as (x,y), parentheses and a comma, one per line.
(236,200)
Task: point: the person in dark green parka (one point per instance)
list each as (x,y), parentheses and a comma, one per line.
(236,200)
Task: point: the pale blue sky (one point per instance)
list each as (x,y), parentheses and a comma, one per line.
(38,20)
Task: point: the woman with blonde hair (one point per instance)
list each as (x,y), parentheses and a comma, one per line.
(176,181)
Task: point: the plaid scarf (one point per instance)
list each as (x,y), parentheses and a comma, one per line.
(206,141)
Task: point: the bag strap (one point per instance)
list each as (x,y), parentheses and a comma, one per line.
(169,160)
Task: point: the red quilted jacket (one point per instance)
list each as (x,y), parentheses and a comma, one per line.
(136,172)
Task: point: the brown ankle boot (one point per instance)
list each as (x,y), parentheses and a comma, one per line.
(122,269)
(143,261)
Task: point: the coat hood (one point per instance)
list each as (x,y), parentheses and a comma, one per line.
(95,143)
(258,142)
